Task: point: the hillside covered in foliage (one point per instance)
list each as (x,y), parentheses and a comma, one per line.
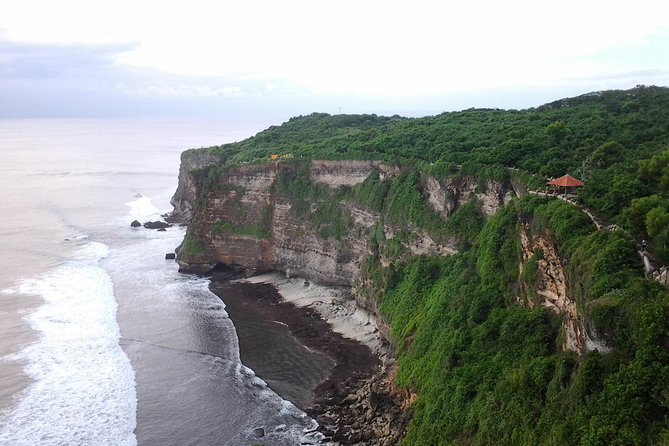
(476,337)
(616,141)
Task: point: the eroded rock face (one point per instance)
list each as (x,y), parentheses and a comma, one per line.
(448,196)
(347,173)
(243,221)
(663,276)
(551,287)
(186,193)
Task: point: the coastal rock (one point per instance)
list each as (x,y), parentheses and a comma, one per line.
(258,432)
(170,256)
(135,224)
(157,225)
(195,268)
(171,218)
(370,412)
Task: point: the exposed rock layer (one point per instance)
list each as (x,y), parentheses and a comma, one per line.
(186,194)
(551,288)
(447,196)
(245,222)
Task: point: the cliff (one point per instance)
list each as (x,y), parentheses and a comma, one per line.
(513,321)
(305,219)
(186,194)
(535,285)
(548,288)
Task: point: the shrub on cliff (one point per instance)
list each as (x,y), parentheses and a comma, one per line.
(488,371)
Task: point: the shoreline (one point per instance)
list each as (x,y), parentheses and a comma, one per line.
(335,305)
(358,401)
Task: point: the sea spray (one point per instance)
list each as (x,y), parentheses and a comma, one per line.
(142,209)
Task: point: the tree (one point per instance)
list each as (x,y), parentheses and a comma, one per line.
(656,170)
(657,224)
(557,131)
(635,215)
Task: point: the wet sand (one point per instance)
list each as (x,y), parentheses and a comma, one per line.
(346,359)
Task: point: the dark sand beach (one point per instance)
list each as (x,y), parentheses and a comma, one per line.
(252,306)
(297,353)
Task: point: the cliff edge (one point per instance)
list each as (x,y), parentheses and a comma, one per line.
(318,219)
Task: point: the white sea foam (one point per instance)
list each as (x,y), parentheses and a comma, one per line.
(76,238)
(142,209)
(84,389)
(92,252)
(302,429)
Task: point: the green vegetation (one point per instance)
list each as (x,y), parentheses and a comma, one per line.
(491,372)
(616,141)
(220,228)
(192,246)
(405,204)
(315,203)
(465,224)
(487,370)
(529,273)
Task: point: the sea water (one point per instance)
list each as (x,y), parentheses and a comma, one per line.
(102,341)
(81,378)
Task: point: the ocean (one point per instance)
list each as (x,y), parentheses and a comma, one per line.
(102,341)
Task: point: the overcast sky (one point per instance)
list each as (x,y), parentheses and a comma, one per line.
(145,57)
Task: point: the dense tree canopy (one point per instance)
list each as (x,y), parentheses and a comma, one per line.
(616,141)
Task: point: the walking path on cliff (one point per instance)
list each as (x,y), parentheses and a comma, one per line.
(652,269)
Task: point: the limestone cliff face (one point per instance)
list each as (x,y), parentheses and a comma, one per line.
(549,289)
(186,194)
(347,173)
(238,218)
(447,196)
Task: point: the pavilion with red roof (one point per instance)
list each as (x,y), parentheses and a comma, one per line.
(567,181)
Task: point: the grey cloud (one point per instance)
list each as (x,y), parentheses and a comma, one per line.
(57,80)
(84,80)
(34,61)
(654,76)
